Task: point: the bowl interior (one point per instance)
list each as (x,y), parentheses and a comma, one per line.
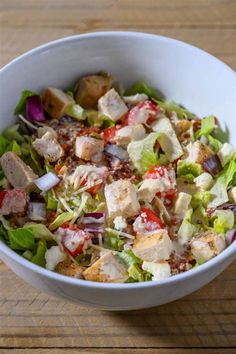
(181,72)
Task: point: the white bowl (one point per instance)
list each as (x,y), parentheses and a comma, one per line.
(182,72)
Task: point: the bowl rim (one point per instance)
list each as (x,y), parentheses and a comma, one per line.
(227,253)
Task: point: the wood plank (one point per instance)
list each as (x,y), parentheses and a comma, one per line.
(219,42)
(120,351)
(121,13)
(29,318)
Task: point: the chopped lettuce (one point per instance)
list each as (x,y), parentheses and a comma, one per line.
(199,217)
(167,138)
(75,111)
(137,274)
(61,219)
(51,201)
(219,194)
(40,231)
(97,119)
(201,199)
(215,144)
(140,87)
(187,229)
(39,257)
(21,105)
(27,255)
(207,126)
(21,239)
(112,240)
(129,258)
(228,175)
(142,154)
(188,170)
(4,143)
(224,221)
(170,106)
(12,133)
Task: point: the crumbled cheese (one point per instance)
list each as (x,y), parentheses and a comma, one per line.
(53,256)
(120,223)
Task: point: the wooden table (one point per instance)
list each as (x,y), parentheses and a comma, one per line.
(33,322)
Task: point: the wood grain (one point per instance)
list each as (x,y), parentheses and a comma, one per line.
(201,323)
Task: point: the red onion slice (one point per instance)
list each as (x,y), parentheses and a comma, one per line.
(94,218)
(47,181)
(212,165)
(230,236)
(34,109)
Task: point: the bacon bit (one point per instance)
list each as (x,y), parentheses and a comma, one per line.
(88,131)
(92,190)
(68,225)
(51,216)
(178,264)
(108,135)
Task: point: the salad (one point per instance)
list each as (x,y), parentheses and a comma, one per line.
(112,186)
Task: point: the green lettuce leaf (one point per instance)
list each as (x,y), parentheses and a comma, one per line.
(21,239)
(207,126)
(128,257)
(97,119)
(20,108)
(228,175)
(4,143)
(219,194)
(140,87)
(39,257)
(12,133)
(75,111)
(170,106)
(201,199)
(51,201)
(137,274)
(188,170)
(61,219)
(187,229)
(112,240)
(215,144)
(40,231)
(142,154)
(27,255)
(224,221)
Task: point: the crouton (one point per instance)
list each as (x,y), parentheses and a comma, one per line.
(55,102)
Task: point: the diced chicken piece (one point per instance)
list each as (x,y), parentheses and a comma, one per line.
(48,147)
(168,139)
(182,204)
(112,105)
(159,270)
(53,256)
(153,247)
(13,201)
(207,245)
(88,173)
(189,188)
(121,198)
(69,268)
(129,133)
(17,172)
(108,269)
(120,223)
(232,194)
(90,88)
(148,189)
(204,181)
(226,153)
(181,125)
(55,102)
(135,99)
(45,129)
(198,152)
(88,148)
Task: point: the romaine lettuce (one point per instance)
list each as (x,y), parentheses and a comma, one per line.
(188,170)
(140,87)
(224,221)
(21,239)
(207,126)
(112,240)
(142,154)
(61,219)
(39,257)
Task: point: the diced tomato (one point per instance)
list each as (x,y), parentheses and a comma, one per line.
(144,112)
(155,172)
(74,240)
(149,217)
(92,190)
(109,135)
(2,196)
